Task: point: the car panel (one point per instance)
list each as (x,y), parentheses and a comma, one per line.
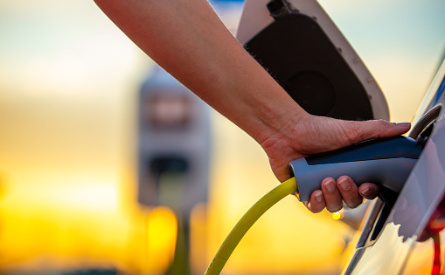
(424,190)
(256,18)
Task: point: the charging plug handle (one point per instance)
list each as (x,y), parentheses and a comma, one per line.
(386,162)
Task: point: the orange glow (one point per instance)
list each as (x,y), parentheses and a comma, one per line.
(162,232)
(337,216)
(199,238)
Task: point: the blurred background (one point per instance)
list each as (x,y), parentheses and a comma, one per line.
(77,146)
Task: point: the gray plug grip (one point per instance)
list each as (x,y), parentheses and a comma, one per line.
(390,172)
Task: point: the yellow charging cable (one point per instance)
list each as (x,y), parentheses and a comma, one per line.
(243,225)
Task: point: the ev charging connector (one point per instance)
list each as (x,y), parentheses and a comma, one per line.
(386,162)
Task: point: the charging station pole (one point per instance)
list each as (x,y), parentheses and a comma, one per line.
(173,154)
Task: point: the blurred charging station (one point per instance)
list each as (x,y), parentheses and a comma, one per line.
(174,141)
(173,151)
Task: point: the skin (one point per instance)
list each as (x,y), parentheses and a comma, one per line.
(188,40)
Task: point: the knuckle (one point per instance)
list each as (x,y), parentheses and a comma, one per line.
(382,123)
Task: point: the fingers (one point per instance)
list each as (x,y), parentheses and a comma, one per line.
(334,193)
(378,129)
(316,202)
(349,192)
(368,191)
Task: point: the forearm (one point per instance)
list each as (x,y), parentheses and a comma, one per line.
(188,40)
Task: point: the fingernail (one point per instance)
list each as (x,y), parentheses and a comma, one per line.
(344,184)
(366,192)
(330,186)
(318,196)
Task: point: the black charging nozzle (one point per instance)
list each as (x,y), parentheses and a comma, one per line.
(387,162)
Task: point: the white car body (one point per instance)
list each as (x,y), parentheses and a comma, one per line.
(388,237)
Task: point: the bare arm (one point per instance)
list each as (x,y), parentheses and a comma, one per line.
(188,40)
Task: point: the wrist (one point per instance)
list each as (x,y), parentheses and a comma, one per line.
(278,118)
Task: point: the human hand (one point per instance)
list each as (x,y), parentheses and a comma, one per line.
(333,193)
(309,134)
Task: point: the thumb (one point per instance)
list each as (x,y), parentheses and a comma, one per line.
(378,129)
